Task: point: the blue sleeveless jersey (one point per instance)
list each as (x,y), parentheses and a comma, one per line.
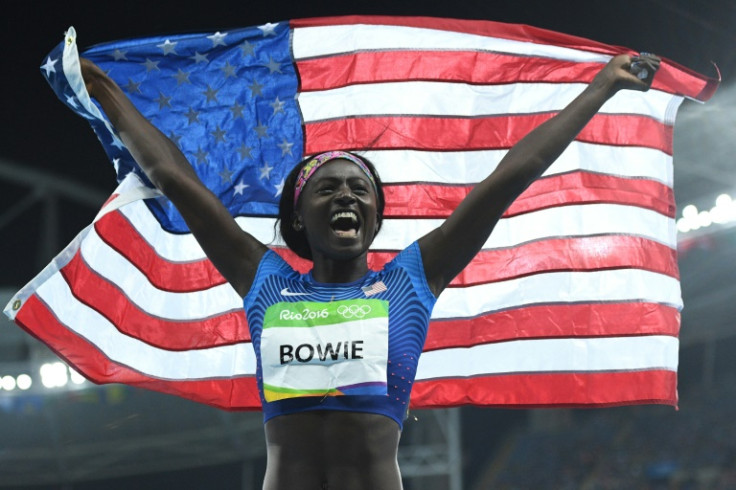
(402,283)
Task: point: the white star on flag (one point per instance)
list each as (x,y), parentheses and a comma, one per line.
(279,188)
(167,47)
(240,187)
(49,66)
(268,29)
(217,38)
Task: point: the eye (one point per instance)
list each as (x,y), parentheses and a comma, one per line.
(325,189)
(360,187)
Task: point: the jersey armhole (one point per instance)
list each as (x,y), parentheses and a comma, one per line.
(270,260)
(411,260)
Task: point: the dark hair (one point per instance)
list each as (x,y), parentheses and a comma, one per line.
(297,240)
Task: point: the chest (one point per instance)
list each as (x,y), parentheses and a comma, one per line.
(327,341)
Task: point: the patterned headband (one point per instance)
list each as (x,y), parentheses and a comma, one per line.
(315,163)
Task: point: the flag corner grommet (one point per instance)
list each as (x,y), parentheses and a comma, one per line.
(69,36)
(17,304)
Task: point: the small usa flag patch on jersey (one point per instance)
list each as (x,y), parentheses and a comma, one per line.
(375,288)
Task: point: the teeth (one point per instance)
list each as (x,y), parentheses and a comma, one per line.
(346,233)
(344,214)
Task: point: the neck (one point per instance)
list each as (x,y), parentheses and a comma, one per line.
(339,271)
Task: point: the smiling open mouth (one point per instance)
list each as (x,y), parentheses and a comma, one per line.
(345,224)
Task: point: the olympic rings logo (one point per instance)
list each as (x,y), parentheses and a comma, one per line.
(353,311)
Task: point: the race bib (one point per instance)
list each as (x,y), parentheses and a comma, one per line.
(325,349)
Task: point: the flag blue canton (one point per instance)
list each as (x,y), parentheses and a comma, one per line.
(227,99)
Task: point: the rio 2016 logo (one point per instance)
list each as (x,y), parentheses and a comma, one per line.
(353,311)
(306,314)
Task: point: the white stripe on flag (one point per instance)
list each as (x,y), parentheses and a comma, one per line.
(559,287)
(470,167)
(310,42)
(214,362)
(397,234)
(565,221)
(463,100)
(553,287)
(112,266)
(552,355)
(549,355)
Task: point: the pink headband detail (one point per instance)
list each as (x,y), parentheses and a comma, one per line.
(315,163)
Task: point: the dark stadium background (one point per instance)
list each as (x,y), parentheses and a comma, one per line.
(41,137)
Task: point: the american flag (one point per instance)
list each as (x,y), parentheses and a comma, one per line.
(375,288)
(573,301)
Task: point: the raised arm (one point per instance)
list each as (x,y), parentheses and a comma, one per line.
(235,253)
(449,248)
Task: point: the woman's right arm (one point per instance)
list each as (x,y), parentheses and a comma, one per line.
(234,252)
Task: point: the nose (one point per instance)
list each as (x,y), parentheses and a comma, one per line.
(344,195)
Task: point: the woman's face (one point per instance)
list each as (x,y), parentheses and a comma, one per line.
(338,209)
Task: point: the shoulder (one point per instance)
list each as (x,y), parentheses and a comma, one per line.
(271,264)
(409,258)
(410,262)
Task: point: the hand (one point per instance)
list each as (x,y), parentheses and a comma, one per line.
(629,72)
(644,65)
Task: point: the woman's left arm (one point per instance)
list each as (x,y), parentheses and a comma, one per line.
(450,247)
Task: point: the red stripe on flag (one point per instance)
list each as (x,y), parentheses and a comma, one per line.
(555,321)
(230,394)
(438,201)
(671,77)
(558,254)
(452,134)
(108,300)
(528,322)
(569,254)
(548,320)
(550,390)
(115,230)
(519,390)
(474,67)
(587,187)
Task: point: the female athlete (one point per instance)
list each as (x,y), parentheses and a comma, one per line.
(337,348)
